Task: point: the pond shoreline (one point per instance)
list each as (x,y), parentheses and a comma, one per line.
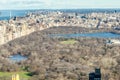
(92,35)
(17,58)
(54,56)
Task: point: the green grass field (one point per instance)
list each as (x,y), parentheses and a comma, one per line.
(70,41)
(22,74)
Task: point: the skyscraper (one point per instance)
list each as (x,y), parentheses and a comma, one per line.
(95,75)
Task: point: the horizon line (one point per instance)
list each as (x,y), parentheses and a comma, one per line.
(59,8)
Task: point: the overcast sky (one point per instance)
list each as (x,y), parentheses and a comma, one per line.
(58,4)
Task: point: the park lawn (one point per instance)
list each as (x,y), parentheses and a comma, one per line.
(22,74)
(70,41)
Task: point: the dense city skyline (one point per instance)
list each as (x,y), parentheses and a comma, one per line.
(58,4)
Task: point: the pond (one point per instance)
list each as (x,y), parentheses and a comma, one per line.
(94,35)
(17,58)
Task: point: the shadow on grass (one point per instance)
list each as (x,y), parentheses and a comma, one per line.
(29,74)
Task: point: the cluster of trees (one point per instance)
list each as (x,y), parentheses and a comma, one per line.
(48,59)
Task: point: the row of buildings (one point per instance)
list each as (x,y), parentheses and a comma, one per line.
(21,26)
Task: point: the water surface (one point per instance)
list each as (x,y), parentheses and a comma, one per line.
(5,14)
(94,35)
(17,58)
